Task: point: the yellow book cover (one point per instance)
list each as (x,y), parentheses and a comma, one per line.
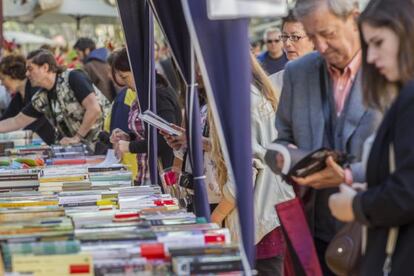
(13,217)
(16,204)
(67,178)
(52,265)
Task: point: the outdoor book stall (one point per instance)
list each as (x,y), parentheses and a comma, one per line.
(65,212)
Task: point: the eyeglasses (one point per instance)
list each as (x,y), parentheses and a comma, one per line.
(293,38)
(273,40)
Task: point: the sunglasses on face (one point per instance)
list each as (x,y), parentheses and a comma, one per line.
(273,40)
(293,38)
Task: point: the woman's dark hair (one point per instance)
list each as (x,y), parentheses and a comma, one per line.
(13,66)
(43,56)
(396,15)
(119,62)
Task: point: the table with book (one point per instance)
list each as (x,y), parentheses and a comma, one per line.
(64,212)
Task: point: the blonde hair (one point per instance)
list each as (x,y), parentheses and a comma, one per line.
(264,85)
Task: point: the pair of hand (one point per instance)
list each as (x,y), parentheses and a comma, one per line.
(175,142)
(120,141)
(332,176)
(179,142)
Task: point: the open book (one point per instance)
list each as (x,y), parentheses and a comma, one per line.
(300,163)
(158,122)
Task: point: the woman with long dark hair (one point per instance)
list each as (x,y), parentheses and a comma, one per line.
(136,141)
(388,74)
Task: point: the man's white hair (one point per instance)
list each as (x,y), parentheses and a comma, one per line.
(270,31)
(341,8)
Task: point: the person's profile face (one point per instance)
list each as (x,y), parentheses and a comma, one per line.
(382,50)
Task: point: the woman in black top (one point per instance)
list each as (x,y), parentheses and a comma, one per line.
(388,74)
(167,107)
(13,77)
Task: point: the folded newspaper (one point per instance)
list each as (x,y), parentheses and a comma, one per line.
(159,123)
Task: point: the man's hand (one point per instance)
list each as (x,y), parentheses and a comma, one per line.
(332,176)
(70,140)
(340,203)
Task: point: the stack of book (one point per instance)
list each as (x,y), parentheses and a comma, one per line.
(109,177)
(90,220)
(57,179)
(19,137)
(19,180)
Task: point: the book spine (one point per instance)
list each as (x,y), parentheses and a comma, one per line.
(25,204)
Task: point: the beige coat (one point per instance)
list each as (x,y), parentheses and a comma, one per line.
(269,189)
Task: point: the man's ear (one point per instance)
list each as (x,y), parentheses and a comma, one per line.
(45,67)
(355,15)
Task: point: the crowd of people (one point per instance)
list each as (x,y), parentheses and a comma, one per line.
(331,77)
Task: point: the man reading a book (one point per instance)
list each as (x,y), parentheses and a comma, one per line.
(321,107)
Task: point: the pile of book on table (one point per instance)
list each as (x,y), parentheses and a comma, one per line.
(90,220)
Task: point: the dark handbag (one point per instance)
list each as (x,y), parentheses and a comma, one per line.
(344,252)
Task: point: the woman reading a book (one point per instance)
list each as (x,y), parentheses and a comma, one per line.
(13,77)
(388,203)
(136,140)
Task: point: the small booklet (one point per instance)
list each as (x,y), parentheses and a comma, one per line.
(158,122)
(300,163)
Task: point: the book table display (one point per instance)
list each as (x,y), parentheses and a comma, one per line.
(62,213)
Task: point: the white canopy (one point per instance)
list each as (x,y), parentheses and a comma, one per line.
(26,38)
(93,11)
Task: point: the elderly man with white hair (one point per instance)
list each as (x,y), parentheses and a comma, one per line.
(321,106)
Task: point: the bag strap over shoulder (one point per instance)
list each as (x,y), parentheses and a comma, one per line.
(393,232)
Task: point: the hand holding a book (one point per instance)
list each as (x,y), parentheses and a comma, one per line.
(340,203)
(175,142)
(332,176)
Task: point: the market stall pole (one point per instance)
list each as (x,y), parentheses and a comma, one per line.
(137,22)
(171,19)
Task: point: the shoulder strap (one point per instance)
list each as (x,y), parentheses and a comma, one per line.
(326,106)
(393,232)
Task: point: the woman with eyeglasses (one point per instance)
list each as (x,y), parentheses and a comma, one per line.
(295,44)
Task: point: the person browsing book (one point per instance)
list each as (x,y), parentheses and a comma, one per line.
(388,86)
(13,77)
(321,106)
(136,140)
(66,98)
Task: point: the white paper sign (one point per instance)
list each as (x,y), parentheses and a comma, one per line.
(231,9)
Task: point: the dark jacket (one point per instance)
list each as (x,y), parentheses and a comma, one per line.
(170,73)
(99,72)
(389,200)
(169,109)
(41,126)
(120,112)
